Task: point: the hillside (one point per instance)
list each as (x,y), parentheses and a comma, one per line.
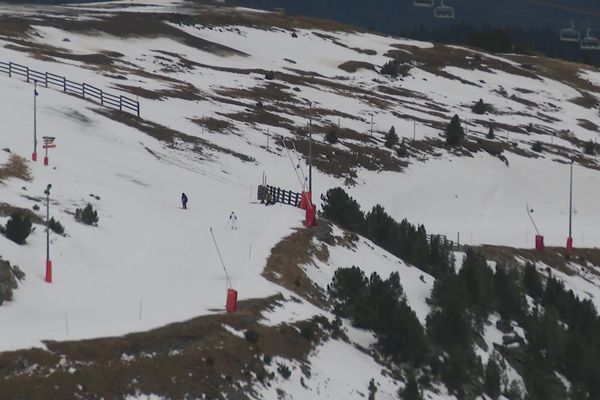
(229,97)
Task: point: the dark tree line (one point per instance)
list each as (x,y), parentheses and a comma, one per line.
(403,239)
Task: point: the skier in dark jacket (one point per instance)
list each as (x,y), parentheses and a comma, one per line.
(184,201)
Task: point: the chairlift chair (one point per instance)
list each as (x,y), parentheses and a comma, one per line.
(589,42)
(443,11)
(570,34)
(423,3)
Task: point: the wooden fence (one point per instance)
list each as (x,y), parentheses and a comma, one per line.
(82,90)
(272,194)
(443,239)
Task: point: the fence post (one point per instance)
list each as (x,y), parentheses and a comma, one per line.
(46,77)
(138,108)
(27,71)
(64,84)
(101,98)
(83,90)
(120,103)
(10,69)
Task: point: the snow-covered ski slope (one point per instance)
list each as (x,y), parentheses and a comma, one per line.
(200,72)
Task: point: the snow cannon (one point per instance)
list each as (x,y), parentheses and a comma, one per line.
(539,239)
(539,243)
(231,305)
(569,249)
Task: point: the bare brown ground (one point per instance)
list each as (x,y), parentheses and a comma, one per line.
(198,358)
(552,256)
(284,264)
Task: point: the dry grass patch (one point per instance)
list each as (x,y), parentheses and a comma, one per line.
(197,358)
(15,167)
(214,124)
(298,249)
(552,256)
(353,66)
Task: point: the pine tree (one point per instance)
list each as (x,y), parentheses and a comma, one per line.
(346,288)
(411,390)
(391,139)
(492,379)
(491,134)
(454,132)
(342,209)
(532,282)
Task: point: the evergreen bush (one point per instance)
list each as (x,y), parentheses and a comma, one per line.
(18,228)
(537,147)
(490,134)
(251,335)
(87,215)
(284,370)
(480,107)
(56,226)
(331,136)
(590,148)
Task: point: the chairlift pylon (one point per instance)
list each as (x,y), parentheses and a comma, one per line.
(570,34)
(423,3)
(443,11)
(589,42)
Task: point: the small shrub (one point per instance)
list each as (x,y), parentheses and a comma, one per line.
(491,134)
(36,207)
(537,147)
(18,228)
(56,226)
(210,361)
(307,332)
(270,75)
(590,148)
(402,151)
(480,107)
(87,215)
(251,335)
(372,389)
(267,359)
(284,370)
(337,329)
(394,68)
(331,136)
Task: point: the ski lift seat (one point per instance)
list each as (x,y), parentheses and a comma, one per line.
(423,3)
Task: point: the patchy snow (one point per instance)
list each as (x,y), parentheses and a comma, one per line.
(329,375)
